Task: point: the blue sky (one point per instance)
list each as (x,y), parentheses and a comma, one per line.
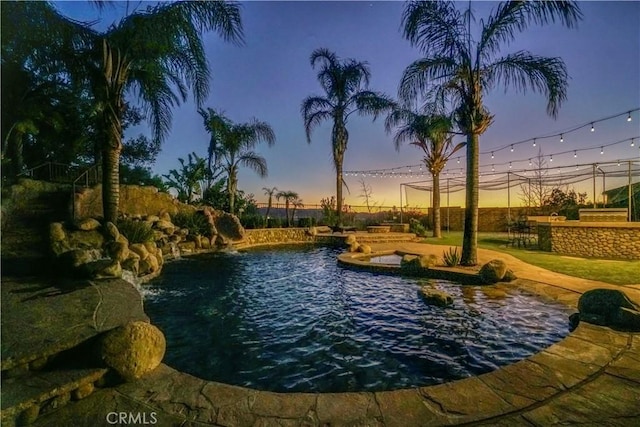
(270,75)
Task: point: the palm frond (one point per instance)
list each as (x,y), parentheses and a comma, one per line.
(420,74)
(513,17)
(254,161)
(437,28)
(371,103)
(523,70)
(315,110)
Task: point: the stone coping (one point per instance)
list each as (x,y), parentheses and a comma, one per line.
(591,376)
(358,261)
(590,224)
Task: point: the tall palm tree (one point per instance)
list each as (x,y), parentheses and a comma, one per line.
(270,192)
(233,146)
(460,70)
(345,85)
(432,133)
(289,197)
(157,53)
(215,123)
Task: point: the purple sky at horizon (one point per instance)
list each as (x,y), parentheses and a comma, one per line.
(270,75)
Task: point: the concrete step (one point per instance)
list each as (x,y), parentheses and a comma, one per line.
(25,398)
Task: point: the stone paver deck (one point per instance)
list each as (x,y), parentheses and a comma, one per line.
(592,377)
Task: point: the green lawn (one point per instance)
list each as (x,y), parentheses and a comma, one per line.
(608,271)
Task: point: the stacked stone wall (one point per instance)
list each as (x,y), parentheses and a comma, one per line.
(134,200)
(597,241)
(272,236)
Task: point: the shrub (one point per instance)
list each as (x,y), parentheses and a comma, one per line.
(276,222)
(417,228)
(195,222)
(306,222)
(451,258)
(135,231)
(252,221)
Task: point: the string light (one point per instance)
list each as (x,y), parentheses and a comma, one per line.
(512,148)
(575,154)
(529,162)
(601,150)
(458,160)
(492,154)
(551,158)
(629,117)
(633,142)
(618,162)
(493,169)
(560,135)
(510,165)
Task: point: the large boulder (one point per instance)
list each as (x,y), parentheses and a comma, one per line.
(56,232)
(92,239)
(117,251)
(365,249)
(435,296)
(229,226)
(609,307)
(87,224)
(493,271)
(133,350)
(415,264)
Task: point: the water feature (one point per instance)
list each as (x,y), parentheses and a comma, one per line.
(393,259)
(291,319)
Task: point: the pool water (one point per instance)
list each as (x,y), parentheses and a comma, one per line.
(290,319)
(393,259)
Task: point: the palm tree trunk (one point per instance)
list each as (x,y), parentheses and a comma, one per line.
(231,184)
(339,193)
(286,211)
(436,206)
(266,215)
(110,182)
(470,237)
(15,152)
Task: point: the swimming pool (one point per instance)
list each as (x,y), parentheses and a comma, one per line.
(290,319)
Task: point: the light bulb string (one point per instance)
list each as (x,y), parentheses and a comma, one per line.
(575,151)
(561,133)
(424,170)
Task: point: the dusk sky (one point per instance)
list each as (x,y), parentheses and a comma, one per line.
(269,76)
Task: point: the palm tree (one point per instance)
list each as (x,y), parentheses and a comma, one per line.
(270,192)
(460,70)
(433,135)
(157,53)
(344,83)
(214,122)
(289,197)
(296,203)
(233,146)
(188,179)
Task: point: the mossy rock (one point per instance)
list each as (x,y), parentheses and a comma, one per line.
(435,296)
(493,271)
(133,350)
(609,307)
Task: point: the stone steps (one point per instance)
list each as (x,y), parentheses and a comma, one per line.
(26,397)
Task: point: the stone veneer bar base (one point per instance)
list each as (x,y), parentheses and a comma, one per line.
(613,240)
